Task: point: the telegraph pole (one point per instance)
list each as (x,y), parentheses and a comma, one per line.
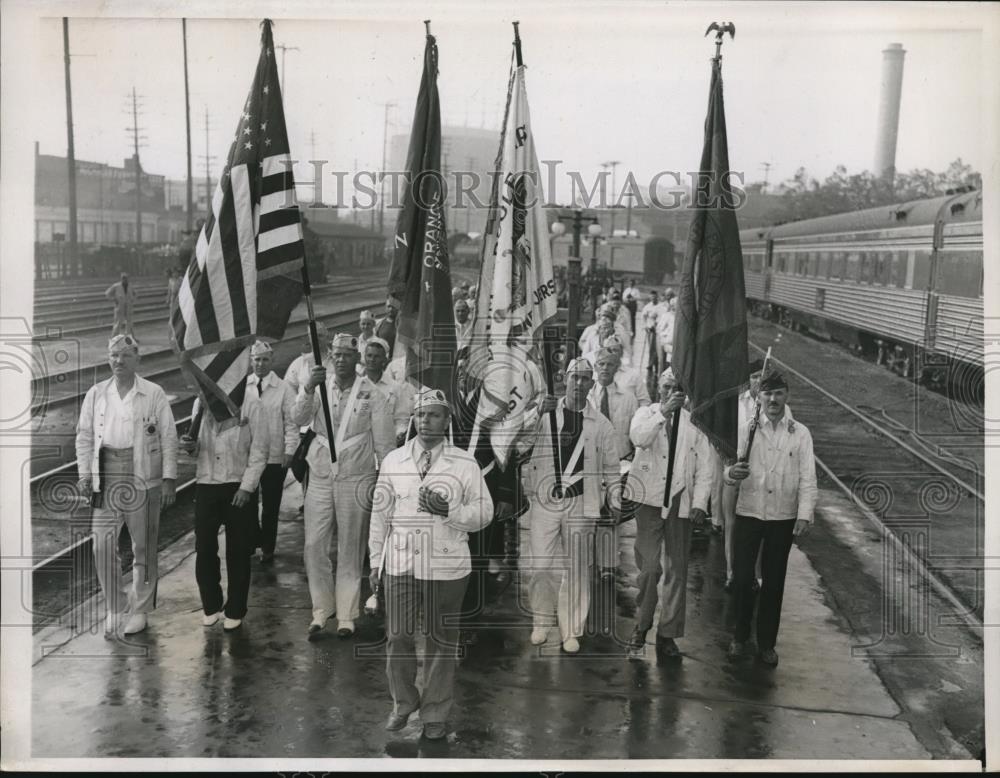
(70,156)
(187,125)
(613,164)
(381,185)
(283,50)
(767,169)
(138,168)
(208,164)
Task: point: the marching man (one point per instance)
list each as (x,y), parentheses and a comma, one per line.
(775,503)
(126,455)
(430,495)
(563,520)
(362,436)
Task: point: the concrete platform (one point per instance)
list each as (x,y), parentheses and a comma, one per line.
(180,690)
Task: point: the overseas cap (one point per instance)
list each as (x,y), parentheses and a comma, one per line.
(377,341)
(773,380)
(260,347)
(128,340)
(580,365)
(344,340)
(427,398)
(367,316)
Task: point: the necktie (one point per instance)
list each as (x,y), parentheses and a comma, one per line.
(260,388)
(425,464)
(605,406)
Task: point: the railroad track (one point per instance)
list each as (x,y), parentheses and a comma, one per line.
(926,501)
(54,390)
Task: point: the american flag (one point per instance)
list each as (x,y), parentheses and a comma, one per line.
(244,279)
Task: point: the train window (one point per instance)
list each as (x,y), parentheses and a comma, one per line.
(837,266)
(852,269)
(898,271)
(756,262)
(883,269)
(960,273)
(782,263)
(801,258)
(823,271)
(866,267)
(813,262)
(921,269)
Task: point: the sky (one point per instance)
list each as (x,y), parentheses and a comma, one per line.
(627,82)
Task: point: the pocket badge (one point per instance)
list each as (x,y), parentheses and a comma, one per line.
(151,429)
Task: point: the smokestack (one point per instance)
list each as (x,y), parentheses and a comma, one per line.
(888,110)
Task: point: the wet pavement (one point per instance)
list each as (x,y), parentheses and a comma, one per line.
(181,690)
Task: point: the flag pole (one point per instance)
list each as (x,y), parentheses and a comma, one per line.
(547,350)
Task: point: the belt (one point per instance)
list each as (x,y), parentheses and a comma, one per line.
(117,452)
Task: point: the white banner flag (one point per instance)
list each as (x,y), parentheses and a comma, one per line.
(517,292)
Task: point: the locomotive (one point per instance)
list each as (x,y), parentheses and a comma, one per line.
(900,283)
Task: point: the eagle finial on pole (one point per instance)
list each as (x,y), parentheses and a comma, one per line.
(720,30)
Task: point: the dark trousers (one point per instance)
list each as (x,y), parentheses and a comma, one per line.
(440,603)
(483,545)
(775,540)
(272,485)
(213,508)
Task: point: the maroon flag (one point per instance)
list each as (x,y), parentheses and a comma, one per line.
(245,276)
(710,330)
(420,275)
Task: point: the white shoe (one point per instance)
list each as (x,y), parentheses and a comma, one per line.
(494,567)
(539,635)
(211,619)
(571,645)
(136,623)
(230,624)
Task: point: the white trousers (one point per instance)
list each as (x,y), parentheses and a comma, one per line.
(346,500)
(561,563)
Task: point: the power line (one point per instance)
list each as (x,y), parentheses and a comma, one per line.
(135,130)
(208,159)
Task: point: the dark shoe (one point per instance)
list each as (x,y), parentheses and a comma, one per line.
(666,647)
(345,629)
(637,643)
(769,657)
(315,630)
(435,730)
(716,529)
(736,649)
(397,721)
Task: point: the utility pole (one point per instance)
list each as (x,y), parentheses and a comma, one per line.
(187,125)
(613,164)
(354,195)
(135,129)
(469,163)
(283,50)
(767,169)
(70,156)
(381,185)
(209,158)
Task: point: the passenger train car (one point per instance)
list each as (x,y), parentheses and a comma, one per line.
(902,282)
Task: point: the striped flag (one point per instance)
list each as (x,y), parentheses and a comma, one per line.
(420,273)
(244,279)
(517,292)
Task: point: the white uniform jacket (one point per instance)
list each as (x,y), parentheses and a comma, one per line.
(782,480)
(430,547)
(236,454)
(601,470)
(695,465)
(363,425)
(277,405)
(623,404)
(154,436)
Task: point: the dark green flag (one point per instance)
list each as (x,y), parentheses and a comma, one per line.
(710,330)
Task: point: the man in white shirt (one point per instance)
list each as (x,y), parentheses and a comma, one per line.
(621,314)
(665,330)
(126,457)
(618,405)
(463,323)
(630,298)
(399,395)
(276,402)
(297,373)
(362,436)
(652,349)
(776,500)
(563,520)
(125,298)
(663,528)
(430,496)
(231,460)
(366,322)
(627,377)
